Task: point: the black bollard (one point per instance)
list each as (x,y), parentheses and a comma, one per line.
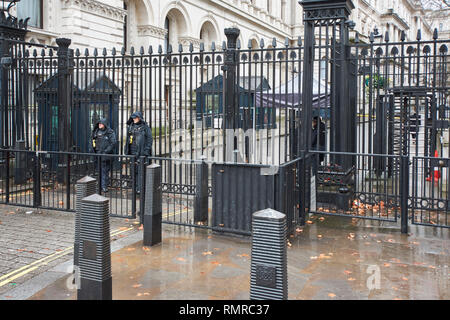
(201,195)
(153,206)
(84,187)
(95,250)
(268,279)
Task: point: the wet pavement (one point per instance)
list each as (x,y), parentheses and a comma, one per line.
(329,258)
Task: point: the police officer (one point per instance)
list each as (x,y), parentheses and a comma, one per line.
(139,141)
(318,140)
(104,142)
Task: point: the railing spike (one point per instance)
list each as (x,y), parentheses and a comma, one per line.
(435,34)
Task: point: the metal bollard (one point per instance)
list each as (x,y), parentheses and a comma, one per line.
(268,279)
(95,250)
(201,195)
(153,206)
(83,188)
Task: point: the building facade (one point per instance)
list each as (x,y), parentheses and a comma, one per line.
(117,23)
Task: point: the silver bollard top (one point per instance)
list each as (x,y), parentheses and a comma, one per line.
(269,214)
(95,198)
(153,165)
(86,179)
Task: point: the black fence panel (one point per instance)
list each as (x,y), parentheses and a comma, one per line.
(239,190)
(47,179)
(430,196)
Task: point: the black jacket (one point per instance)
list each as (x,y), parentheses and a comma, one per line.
(318,137)
(103,141)
(141,135)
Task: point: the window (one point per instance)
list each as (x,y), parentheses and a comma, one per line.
(166,40)
(125,29)
(31,9)
(323,69)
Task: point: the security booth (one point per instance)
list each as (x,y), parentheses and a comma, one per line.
(209,103)
(94,96)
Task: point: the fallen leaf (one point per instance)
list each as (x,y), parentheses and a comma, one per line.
(309,222)
(136,222)
(137,285)
(243,255)
(146,293)
(347,272)
(58,249)
(206,253)
(181,259)
(319,236)
(387,264)
(141,227)
(432,267)
(331,295)
(215,262)
(48,230)
(298,230)
(404,279)
(146,248)
(351,279)
(391,240)
(123,228)
(139,294)
(321,218)
(131,249)
(313,258)
(61,202)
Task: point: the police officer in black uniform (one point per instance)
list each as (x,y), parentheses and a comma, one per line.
(139,141)
(318,141)
(104,141)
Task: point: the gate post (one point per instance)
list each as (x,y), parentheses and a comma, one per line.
(404,192)
(201,194)
(231,108)
(328,13)
(64,93)
(11,28)
(268,279)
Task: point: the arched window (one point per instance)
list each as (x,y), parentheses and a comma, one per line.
(166,37)
(269,6)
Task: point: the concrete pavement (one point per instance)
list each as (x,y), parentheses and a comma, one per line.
(329,258)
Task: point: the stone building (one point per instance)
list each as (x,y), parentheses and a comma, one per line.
(116,23)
